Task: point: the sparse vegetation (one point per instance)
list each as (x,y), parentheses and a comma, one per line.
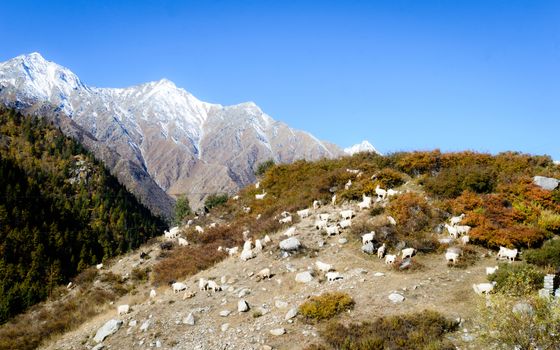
(547,255)
(182,209)
(264,166)
(325,306)
(517,279)
(215,200)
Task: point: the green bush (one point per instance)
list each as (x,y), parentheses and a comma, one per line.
(264,166)
(547,255)
(517,279)
(422,330)
(215,200)
(550,221)
(182,209)
(451,182)
(326,306)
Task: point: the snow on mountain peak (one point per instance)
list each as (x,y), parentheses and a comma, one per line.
(364,146)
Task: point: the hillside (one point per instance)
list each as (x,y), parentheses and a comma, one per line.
(434,304)
(60,212)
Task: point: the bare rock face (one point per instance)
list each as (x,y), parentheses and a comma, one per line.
(159,140)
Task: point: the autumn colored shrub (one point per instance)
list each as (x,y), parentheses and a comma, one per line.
(325,306)
(421,330)
(411,210)
(451,182)
(550,221)
(547,255)
(416,163)
(388,178)
(517,279)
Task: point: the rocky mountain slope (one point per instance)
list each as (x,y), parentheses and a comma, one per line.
(156,136)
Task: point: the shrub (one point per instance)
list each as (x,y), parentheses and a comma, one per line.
(182,209)
(517,279)
(451,182)
(547,255)
(550,221)
(264,166)
(500,328)
(215,200)
(325,306)
(420,330)
(411,211)
(388,178)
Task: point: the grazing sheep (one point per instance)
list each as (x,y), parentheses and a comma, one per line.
(320,224)
(381,251)
(451,257)
(452,231)
(316,204)
(391,192)
(260,196)
(236,197)
(258,246)
(348,184)
(213,225)
(491,270)
(462,229)
(456,219)
(202,284)
(407,253)
(347,214)
(245,235)
(123,309)
(286,220)
(381,193)
(465,239)
(324,217)
(483,288)
(266,239)
(332,230)
(285,214)
(333,276)
(323,267)
(153,293)
(390,259)
(333,199)
(248,244)
(290,232)
(345,223)
(99,266)
(178,286)
(368,237)
(247,210)
(258,217)
(199,229)
(213,286)
(365,203)
(247,255)
(506,253)
(264,273)
(182,242)
(190,222)
(391,220)
(353,171)
(303,213)
(232,251)
(257,185)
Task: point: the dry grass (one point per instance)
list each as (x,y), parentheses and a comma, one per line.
(325,306)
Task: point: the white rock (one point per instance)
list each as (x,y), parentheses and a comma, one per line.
(280,304)
(158,344)
(278,331)
(547,183)
(304,277)
(342,240)
(291,314)
(225,327)
(107,329)
(132,323)
(244,292)
(396,298)
(189,319)
(225,313)
(145,325)
(379,274)
(99,346)
(242,306)
(290,244)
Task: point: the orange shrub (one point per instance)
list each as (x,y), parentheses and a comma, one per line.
(411,211)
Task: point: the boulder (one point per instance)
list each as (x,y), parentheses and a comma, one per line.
(342,240)
(225,313)
(242,306)
(396,298)
(189,319)
(108,328)
(291,314)
(546,183)
(368,248)
(225,327)
(278,331)
(290,244)
(304,277)
(99,346)
(280,304)
(145,325)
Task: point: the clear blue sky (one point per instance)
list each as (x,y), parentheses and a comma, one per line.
(479,75)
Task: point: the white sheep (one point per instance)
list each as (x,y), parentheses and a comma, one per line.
(316,204)
(391,220)
(199,229)
(320,224)
(332,230)
(178,286)
(285,214)
(182,242)
(345,223)
(324,217)
(465,239)
(257,185)
(333,276)
(391,192)
(451,257)
(258,217)
(390,259)
(483,288)
(491,270)
(153,293)
(381,193)
(247,210)
(247,255)
(353,171)
(260,196)
(348,184)
(381,251)
(365,203)
(245,235)
(456,219)
(213,225)
(266,239)
(202,284)
(258,246)
(303,213)
(286,220)
(452,231)
(347,214)
(232,251)
(462,229)
(236,197)
(213,286)
(407,252)
(264,273)
(333,199)
(368,237)
(248,244)
(290,232)
(506,253)
(99,266)
(323,267)
(123,309)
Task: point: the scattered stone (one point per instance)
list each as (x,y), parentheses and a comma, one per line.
(225,327)
(189,319)
(243,292)
(304,277)
(158,344)
(405,264)
(523,308)
(132,323)
(342,240)
(291,314)
(107,329)
(546,183)
(225,313)
(145,325)
(242,306)
(99,346)
(290,244)
(321,244)
(291,268)
(223,280)
(188,295)
(368,248)
(278,331)
(379,274)
(280,304)
(266,347)
(396,298)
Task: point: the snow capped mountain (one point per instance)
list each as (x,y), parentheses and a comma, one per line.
(161,132)
(364,146)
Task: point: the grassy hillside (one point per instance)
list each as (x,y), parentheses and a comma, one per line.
(60,212)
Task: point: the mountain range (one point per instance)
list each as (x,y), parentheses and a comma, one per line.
(158,139)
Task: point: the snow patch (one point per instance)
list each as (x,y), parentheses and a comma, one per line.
(364,146)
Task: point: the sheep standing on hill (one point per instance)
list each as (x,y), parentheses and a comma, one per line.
(320,224)
(333,276)
(451,257)
(182,242)
(381,251)
(202,284)
(213,286)
(456,219)
(332,230)
(316,204)
(264,273)
(391,192)
(408,253)
(123,309)
(491,270)
(391,220)
(365,203)
(333,199)
(390,259)
(290,232)
(452,231)
(286,220)
(368,237)
(260,196)
(199,229)
(323,267)
(345,223)
(347,214)
(178,286)
(381,193)
(506,253)
(348,184)
(303,213)
(483,288)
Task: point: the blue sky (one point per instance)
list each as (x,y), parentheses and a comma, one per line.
(406,75)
